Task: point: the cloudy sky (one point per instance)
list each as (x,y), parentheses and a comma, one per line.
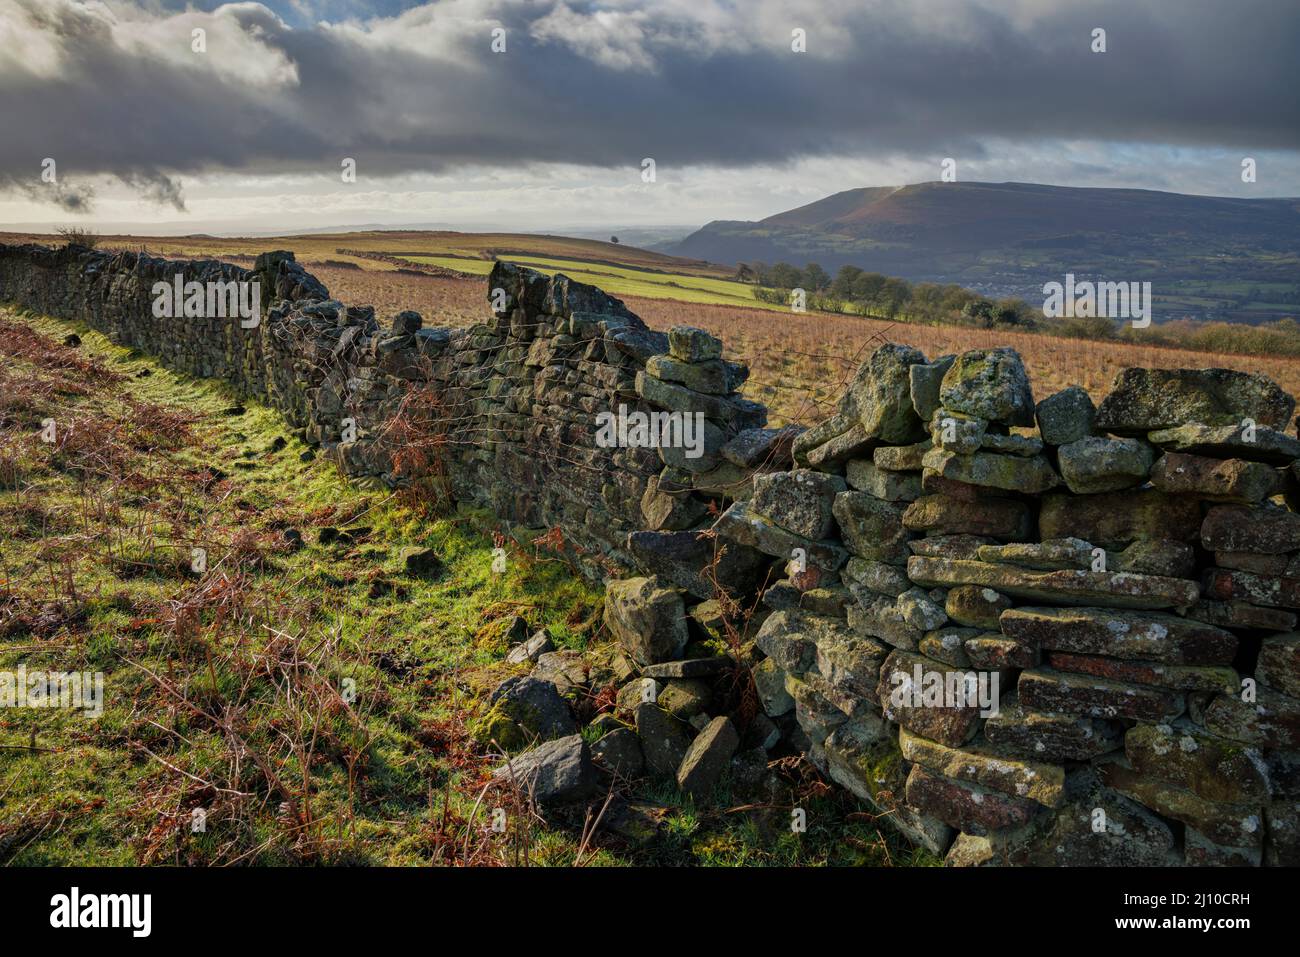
(252,132)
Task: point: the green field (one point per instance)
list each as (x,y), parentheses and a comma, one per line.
(620,280)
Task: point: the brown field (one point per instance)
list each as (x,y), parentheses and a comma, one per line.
(798,362)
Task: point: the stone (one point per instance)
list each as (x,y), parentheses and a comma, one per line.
(832,442)
(769,683)
(1235,825)
(1066,417)
(753,447)
(957,433)
(1211,767)
(785,594)
(924,381)
(762,734)
(664,739)
(1278,665)
(1200,851)
(788,638)
(684,558)
(991,384)
(1144,400)
(1012,473)
(878,617)
(880,394)
(535,705)
(990,651)
(688,668)
(815,715)
(1241,614)
(988,518)
(1254,563)
(1174,677)
(876,577)
(739,524)
(1282,842)
(968,807)
(907,684)
(1045,689)
(976,607)
(1054,554)
(646,618)
(1228,442)
(554,773)
(421,562)
(900,458)
(1156,556)
(1050,736)
(407,322)
(871,528)
(962,547)
(919,610)
(708,757)
(1116,519)
(989,767)
(847,668)
(1022,445)
(635,692)
(1262,531)
(713,377)
(1096,464)
(664,510)
(684,698)
(689,344)
(731,414)
(1070,587)
(1132,635)
(1218,480)
(619,753)
(530,650)
(882,483)
(1272,720)
(798,501)
(1273,592)
(947,644)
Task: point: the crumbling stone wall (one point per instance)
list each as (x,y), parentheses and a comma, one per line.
(1117,584)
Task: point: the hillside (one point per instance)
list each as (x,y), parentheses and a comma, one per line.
(1206,257)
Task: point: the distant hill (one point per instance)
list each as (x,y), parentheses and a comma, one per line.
(1206,257)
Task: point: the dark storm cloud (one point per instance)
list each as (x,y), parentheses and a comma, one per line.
(702,82)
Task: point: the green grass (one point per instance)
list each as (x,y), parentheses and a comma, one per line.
(623,280)
(226,691)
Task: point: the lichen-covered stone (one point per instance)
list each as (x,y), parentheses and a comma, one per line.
(976,607)
(798,501)
(1011,473)
(988,766)
(1209,766)
(1069,587)
(989,517)
(1045,689)
(1066,417)
(970,808)
(1265,531)
(1051,736)
(871,528)
(1096,464)
(989,383)
(1229,442)
(646,618)
(882,483)
(1219,480)
(1116,519)
(1279,664)
(1143,400)
(1134,635)
(708,757)
(925,380)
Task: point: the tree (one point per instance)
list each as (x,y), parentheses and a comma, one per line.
(614,240)
(815,278)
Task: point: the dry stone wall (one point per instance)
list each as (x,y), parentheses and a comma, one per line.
(1025,632)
